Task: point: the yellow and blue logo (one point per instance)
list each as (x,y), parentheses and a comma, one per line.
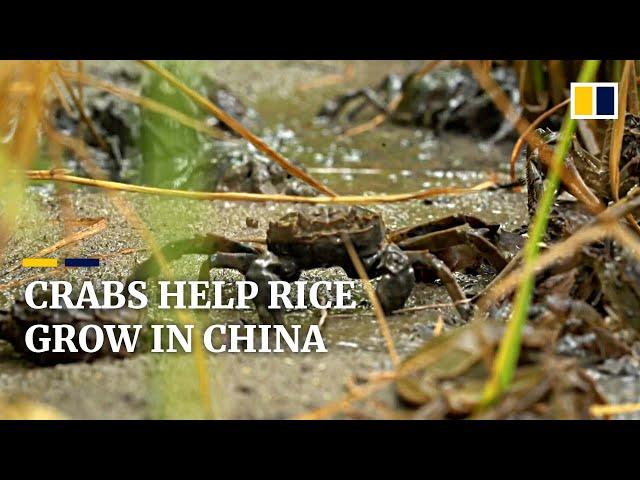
(597,100)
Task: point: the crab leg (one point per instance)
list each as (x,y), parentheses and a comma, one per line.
(6,328)
(333,108)
(202,244)
(565,307)
(430,261)
(390,88)
(434,241)
(487,249)
(505,129)
(237,261)
(396,277)
(445,223)
(441,240)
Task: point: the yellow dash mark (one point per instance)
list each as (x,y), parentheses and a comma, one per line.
(583,100)
(39,262)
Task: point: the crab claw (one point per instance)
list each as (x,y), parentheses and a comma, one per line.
(397,279)
(202,244)
(266,268)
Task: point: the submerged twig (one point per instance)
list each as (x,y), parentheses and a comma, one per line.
(54,272)
(348,171)
(432,306)
(50,272)
(400,311)
(379,119)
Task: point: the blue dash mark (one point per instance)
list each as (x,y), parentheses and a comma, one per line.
(81,262)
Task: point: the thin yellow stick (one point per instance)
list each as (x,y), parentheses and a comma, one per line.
(91,230)
(615,148)
(371,293)
(60,95)
(61,176)
(344,403)
(607,410)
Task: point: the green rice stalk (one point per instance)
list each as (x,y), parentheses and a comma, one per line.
(504,366)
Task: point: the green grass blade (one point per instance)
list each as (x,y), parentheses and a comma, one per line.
(507,358)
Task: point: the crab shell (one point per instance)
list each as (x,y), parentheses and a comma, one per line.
(315,238)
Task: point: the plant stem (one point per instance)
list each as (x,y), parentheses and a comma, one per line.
(506,360)
(538,76)
(62,176)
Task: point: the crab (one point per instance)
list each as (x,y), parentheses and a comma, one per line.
(602,276)
(112,136)
(314,237)
(238,167)
(15,321)
(445,378)
(592,169)
(446,98)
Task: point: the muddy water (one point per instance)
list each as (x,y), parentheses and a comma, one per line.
(388,159)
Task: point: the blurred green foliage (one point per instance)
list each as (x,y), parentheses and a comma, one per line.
(171,152)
